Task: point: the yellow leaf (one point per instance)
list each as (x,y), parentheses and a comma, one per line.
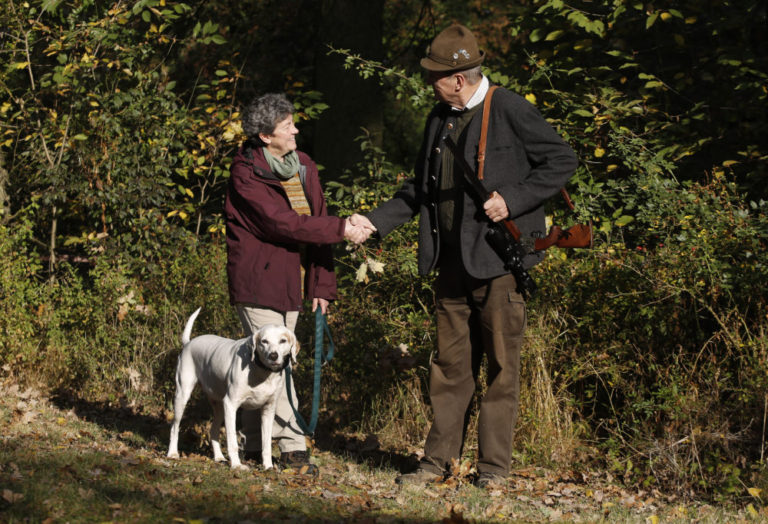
(729,163)
(653,519)
(554,35)
(183,215)
(611,167)
(752,511)
(665,16)
(599,152)
(172,213)
(189,192)
(755,492)
(20,65)
(531,98)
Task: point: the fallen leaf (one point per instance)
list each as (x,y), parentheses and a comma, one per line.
(11,497)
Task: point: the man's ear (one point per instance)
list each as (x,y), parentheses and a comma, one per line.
(459,81)
(265,138)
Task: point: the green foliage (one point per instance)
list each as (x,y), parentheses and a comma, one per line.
(109,332)
(663,351)
(99,135)
(19,297)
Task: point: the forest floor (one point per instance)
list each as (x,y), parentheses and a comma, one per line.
(68,461)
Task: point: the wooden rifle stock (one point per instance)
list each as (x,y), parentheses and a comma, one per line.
(579,235)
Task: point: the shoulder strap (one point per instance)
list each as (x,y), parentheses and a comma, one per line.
(484,133)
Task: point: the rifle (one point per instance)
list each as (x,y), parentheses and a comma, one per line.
(503,236)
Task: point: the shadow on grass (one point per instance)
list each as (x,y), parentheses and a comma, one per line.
(67,484)
(140,430)
(364,451)
(143,431)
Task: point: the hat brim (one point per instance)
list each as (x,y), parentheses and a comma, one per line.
(432,65)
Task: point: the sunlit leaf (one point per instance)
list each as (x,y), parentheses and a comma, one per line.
(554,35)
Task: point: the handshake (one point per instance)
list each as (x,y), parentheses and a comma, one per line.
(358,228)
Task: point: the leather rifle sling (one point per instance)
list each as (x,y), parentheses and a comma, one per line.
(484,133)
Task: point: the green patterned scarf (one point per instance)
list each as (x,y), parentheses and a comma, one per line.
(285,169)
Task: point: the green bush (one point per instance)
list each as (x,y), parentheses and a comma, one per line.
(663,345)
(20,297)
(111,331)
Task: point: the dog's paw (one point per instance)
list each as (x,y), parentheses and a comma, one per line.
(240,467)
(174,455)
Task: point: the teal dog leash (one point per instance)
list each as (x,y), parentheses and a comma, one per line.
(321,330)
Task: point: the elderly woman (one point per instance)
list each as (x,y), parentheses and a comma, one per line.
(279,238)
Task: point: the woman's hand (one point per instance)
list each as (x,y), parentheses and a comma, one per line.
(320,302)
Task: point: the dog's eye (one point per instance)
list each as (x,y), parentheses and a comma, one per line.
(283,340)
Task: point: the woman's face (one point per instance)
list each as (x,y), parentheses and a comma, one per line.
(283,139)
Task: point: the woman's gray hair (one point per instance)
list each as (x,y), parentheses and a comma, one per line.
(264,113)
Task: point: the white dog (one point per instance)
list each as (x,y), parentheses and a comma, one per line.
(233,373)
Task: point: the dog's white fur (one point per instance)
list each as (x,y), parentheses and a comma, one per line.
(233,373)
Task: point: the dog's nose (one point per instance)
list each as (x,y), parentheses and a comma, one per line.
(273,356)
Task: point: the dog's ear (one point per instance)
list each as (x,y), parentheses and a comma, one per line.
(253,343)
(294,345)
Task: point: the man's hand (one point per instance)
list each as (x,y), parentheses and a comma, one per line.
(358,229)
(496,208)
(353,233)
(320,302)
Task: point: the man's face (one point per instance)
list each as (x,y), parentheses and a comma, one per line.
(444,85)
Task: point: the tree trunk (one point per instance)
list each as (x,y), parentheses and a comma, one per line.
(52,246)
(354,103)
(5,207)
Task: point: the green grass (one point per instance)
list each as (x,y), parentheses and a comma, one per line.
(63,461)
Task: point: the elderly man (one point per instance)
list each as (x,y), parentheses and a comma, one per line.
(479,309)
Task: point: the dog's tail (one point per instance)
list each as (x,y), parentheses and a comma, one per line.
(188,328)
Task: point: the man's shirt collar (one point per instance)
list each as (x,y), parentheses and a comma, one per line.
(478,97)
